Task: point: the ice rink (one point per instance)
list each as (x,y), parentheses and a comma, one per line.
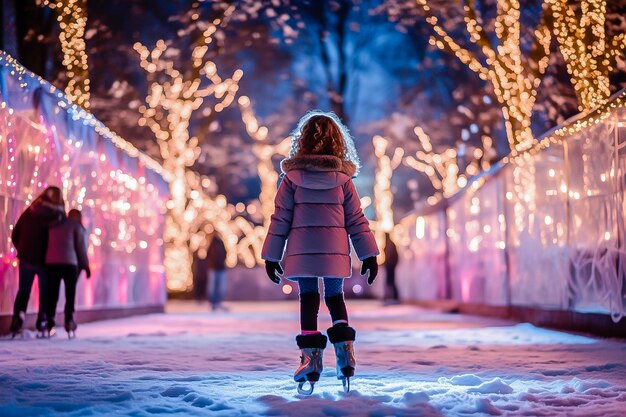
(411,362)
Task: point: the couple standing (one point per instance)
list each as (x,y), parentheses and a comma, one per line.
(52,246)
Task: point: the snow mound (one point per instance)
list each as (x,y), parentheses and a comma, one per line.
(581,385)
(465,379)
(495,386)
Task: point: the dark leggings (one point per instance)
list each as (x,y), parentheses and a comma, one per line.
(69,275)
(27,276)
(310,301)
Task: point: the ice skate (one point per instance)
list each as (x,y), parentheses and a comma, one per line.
(41,327)
(70,328)
(311,361)
(17,324)
(342,337)
(50,329)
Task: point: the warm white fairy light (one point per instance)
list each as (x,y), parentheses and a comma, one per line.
(264,152)
(383,197)
(514,78)
(124,208)
(590,119)
(72,18)
(206,215)
(25,78)
(442,168)
(172,99)
(589,55)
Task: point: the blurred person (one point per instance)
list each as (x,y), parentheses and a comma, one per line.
(65,258)
(30,238)
(317,208)
(391,262)
(199,273)
(216,263)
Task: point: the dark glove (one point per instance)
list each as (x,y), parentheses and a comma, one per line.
(88,272)
(369,264)
(271,268)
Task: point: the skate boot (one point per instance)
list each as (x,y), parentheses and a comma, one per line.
(70,328)
(311,361)
(41,326)
(17,324)
(342,337)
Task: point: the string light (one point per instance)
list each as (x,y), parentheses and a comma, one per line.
(264,152)
(556,137)
(589,55)
(122,199)
(72,18)
(442,168)
(206,215)
(514,78)
(582,122)
(172,98)
(28,79)
(383,197)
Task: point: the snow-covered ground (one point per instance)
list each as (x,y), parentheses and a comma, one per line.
(411,362)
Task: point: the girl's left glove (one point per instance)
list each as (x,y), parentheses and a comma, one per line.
(271,268)
(369,264)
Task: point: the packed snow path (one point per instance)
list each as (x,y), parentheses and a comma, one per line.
(411,362)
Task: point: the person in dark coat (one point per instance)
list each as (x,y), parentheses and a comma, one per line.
(216,263)
(30,238)
(65,258)
(391,261)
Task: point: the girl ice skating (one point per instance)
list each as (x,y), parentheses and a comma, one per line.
(317,209)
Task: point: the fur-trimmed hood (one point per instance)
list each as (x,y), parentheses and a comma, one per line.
(323,163)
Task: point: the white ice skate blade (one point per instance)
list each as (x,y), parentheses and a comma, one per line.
(346,384)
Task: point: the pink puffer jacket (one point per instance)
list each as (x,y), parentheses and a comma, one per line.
(317,208)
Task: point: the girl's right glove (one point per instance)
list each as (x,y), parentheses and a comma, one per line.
(271,268)
(371,265)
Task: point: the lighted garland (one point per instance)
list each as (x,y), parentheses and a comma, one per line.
(556,137)
(514,78)
(72,18)
(442,168)
(77,194)
(589,55)
(171,101)
(383,197)
(590,119)
(264,152)
(78,113)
